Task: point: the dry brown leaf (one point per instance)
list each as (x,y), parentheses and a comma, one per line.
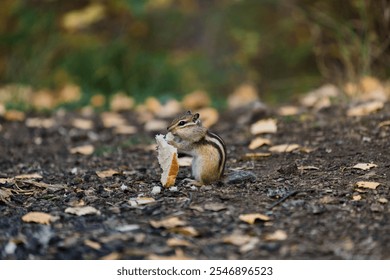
(253,156)
(278,235)
(196,100)
(83,150)
(141,201)
(44,99)
(168,223)
(367,185)
(284,148)
(170,109)
(384,123)
(186,231)
(28,176)
(82,124)
(237,239)
(176,242)
(6,180)
(81,211)
(214,206)
(258,142)
(209,116)
(321,97)
(125,129)
(244,95)
(357,197)
(98,100)
(92,244)
(364,166)
(383,200)
(156,125)
(5,194)
(308,167)
(111,119)
(107,173)
(69,93)
(365,109)
(14,116)
(37,217)
(251,218)
(153,105)
(121,102)
(288,110)
(40,122)
(264,126)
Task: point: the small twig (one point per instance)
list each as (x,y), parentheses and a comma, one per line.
(282,199)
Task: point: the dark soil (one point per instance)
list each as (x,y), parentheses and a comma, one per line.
(314,206)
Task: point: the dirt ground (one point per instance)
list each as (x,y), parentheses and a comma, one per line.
(310,205)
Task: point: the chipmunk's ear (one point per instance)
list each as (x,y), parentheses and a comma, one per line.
(195,117)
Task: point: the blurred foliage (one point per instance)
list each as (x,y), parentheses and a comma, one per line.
(167,48)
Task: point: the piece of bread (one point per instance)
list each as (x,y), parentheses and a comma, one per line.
(167,158)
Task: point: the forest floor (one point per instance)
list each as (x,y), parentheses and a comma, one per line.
(306,203)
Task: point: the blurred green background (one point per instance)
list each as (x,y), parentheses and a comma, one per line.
(168,48)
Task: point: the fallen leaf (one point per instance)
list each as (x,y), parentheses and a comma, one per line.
(253,156)
(237,239)
(383,200)
(82,124)
(98,100)
(357,197)
(196,100)
(215,206)
(121,102)
(14,116)
(278,235)
(321,97)
(40,122)
(258,142)
(111,119)
(170,109)
(209,116)
(125,129)
(364,166)
(264,126)
(81,211)
(107,173)
(83,150)
(28,176)
(384,123)
(156,125)
(187,231)
(141,201)
(79,19)
(308,167)
(365,109)
(69,93)
(284,148)
(37,217)
(288,110)
(251,218)
(176,242)
(5,195)
(244,95)
(168,223)
(92,244)
(367,185)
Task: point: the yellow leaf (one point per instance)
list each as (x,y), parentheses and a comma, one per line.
(14,116)
(168,223)
(264,126)
(251,218)
(357,197)
(84,150)
(196,100)
(121,102)
(82,124)
(37,217)
(288,110)
(284,148)
(244,95)
(258,142)
(187,231)
(367,185)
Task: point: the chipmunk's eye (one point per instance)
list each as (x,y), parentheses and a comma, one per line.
(181,123)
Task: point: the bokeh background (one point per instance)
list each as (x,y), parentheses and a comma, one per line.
(168,48)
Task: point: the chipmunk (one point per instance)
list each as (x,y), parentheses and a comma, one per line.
(207,149)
